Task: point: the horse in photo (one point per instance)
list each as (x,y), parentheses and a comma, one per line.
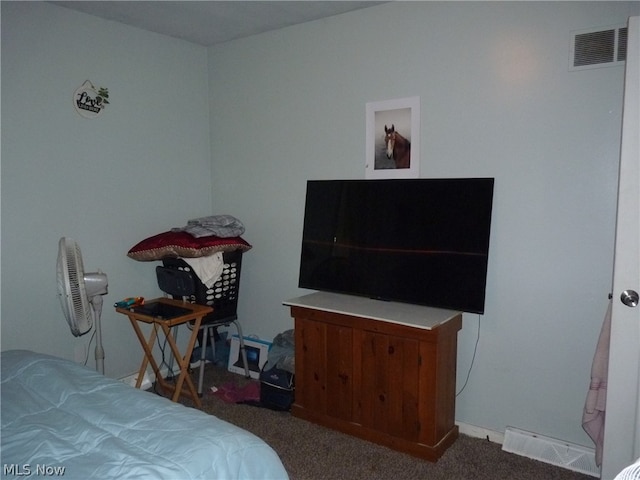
(398,147)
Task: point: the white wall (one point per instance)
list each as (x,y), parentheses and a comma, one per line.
(140,168)
(497,100)
(287,106)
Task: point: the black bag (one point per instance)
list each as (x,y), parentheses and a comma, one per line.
(277,389)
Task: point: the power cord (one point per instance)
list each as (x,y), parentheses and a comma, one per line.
(86,357)
(475,350)
(162,346)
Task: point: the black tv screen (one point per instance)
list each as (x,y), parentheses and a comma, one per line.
(421,241)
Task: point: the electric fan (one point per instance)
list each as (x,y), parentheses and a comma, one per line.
(79,293)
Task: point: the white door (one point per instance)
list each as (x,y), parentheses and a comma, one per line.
(622,417)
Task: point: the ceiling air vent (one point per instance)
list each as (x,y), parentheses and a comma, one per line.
(598,47)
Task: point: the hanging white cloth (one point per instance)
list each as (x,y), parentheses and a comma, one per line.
(208,269)
(593,415)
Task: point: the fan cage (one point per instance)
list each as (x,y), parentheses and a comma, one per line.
(71,287)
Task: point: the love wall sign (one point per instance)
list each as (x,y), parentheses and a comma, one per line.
(90,101)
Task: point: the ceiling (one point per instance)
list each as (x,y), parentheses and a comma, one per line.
(210,22)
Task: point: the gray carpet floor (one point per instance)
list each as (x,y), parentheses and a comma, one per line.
(312,452)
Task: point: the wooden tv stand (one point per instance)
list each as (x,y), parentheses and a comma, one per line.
(381,371)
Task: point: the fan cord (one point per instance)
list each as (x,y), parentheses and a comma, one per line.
(88,349)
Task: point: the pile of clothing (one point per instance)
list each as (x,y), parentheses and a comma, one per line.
(223,226)
(209,268)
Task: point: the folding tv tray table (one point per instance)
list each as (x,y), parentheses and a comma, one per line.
(161,313)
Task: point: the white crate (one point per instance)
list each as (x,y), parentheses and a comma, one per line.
(257,352)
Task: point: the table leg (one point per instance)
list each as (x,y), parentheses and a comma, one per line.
(148,354)
(184,362)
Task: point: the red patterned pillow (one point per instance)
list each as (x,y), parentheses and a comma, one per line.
(181,244)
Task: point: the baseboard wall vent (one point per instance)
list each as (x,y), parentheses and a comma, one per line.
(148,378)
(550,450)
(133,378)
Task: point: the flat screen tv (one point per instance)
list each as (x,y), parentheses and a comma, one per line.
(420,241)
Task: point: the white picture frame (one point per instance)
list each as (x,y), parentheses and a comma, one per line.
(257,353)
(403,114)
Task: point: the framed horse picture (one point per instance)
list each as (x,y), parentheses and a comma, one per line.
(393,139)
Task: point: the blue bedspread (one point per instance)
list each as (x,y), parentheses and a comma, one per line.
(60,417)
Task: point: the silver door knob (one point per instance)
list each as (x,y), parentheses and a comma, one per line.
(629,298)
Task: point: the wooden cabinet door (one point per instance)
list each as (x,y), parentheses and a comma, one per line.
(389,400)
(340,380)
(310,345)
(324,368)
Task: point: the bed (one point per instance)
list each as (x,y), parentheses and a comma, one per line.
(60,418)
(632,472)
